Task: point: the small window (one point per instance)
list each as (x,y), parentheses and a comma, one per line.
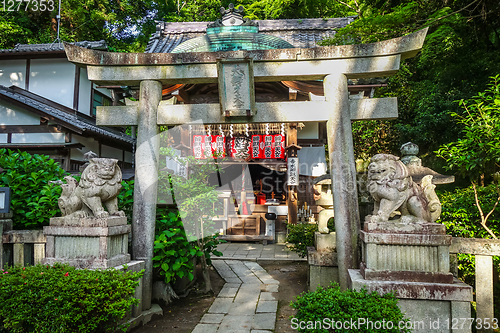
(100,100)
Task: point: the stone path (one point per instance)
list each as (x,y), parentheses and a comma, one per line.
(245,304)
(259,252)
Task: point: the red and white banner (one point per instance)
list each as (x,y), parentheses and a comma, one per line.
(209,146)
(269,146)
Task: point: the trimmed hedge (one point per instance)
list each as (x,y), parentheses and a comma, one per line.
(61,299)
(331,306)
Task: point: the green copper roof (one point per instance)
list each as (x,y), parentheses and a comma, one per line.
(232,38)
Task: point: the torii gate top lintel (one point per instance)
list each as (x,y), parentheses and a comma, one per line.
(355,61)
(406,46)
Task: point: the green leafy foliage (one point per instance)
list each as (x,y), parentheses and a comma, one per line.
(461,218)
(477,152)
(173,252)
(126,198)
(61,299)
(347,306)
(33,199)
(301,235)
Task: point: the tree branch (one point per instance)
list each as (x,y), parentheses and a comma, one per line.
(483,220)
(357,10)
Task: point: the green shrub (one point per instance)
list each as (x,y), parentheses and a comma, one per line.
(33,199)
(173,253)
(60,298)
(330,306)
(301,235)
(126,199)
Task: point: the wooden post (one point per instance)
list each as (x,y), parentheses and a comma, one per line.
(146,183)
(292,193)
(484,290)
(343,173)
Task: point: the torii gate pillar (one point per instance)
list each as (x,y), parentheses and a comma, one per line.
(146,182)
(343,173)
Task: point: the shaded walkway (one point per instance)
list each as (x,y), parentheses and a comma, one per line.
(246,303)
(259,252)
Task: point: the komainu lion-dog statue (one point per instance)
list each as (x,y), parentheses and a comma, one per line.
(394,191)
(99,186)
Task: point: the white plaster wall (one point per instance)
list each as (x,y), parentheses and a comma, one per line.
(13,73)
(3,137)
(53,79)
(37,137)
(129,158)
(89,143)
(14,115)
(85,92)
(310,131)
(111,152)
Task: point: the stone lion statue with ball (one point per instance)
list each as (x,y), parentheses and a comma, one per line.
(99,187)
(395,192)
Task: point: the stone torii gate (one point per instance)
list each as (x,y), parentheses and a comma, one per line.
(331,64)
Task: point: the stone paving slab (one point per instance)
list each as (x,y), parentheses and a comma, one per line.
(267,306)
(266,296)
(221,305)
(245,304)
(206,328)
(242,251)
(212,318)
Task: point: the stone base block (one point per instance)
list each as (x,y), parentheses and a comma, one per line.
(416,253)
(111,221)
(144,317)
(90,263)
(325,242)
(318,258)
(396,227)
(430,307)
(322,276)
(88,247)
(323,268)
(408,276)
(135,266)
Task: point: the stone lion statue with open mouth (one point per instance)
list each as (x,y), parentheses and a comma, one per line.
(394,191)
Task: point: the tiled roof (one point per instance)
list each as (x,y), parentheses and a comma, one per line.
(54,47)
(64,117)
(301,33)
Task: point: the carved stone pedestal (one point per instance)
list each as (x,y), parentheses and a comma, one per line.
(87,242)
(322,260)
(412,260)
(415,252)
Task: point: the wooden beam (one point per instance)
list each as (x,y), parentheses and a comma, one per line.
(28,72)
(29,129)
(182,95)
(76,91)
